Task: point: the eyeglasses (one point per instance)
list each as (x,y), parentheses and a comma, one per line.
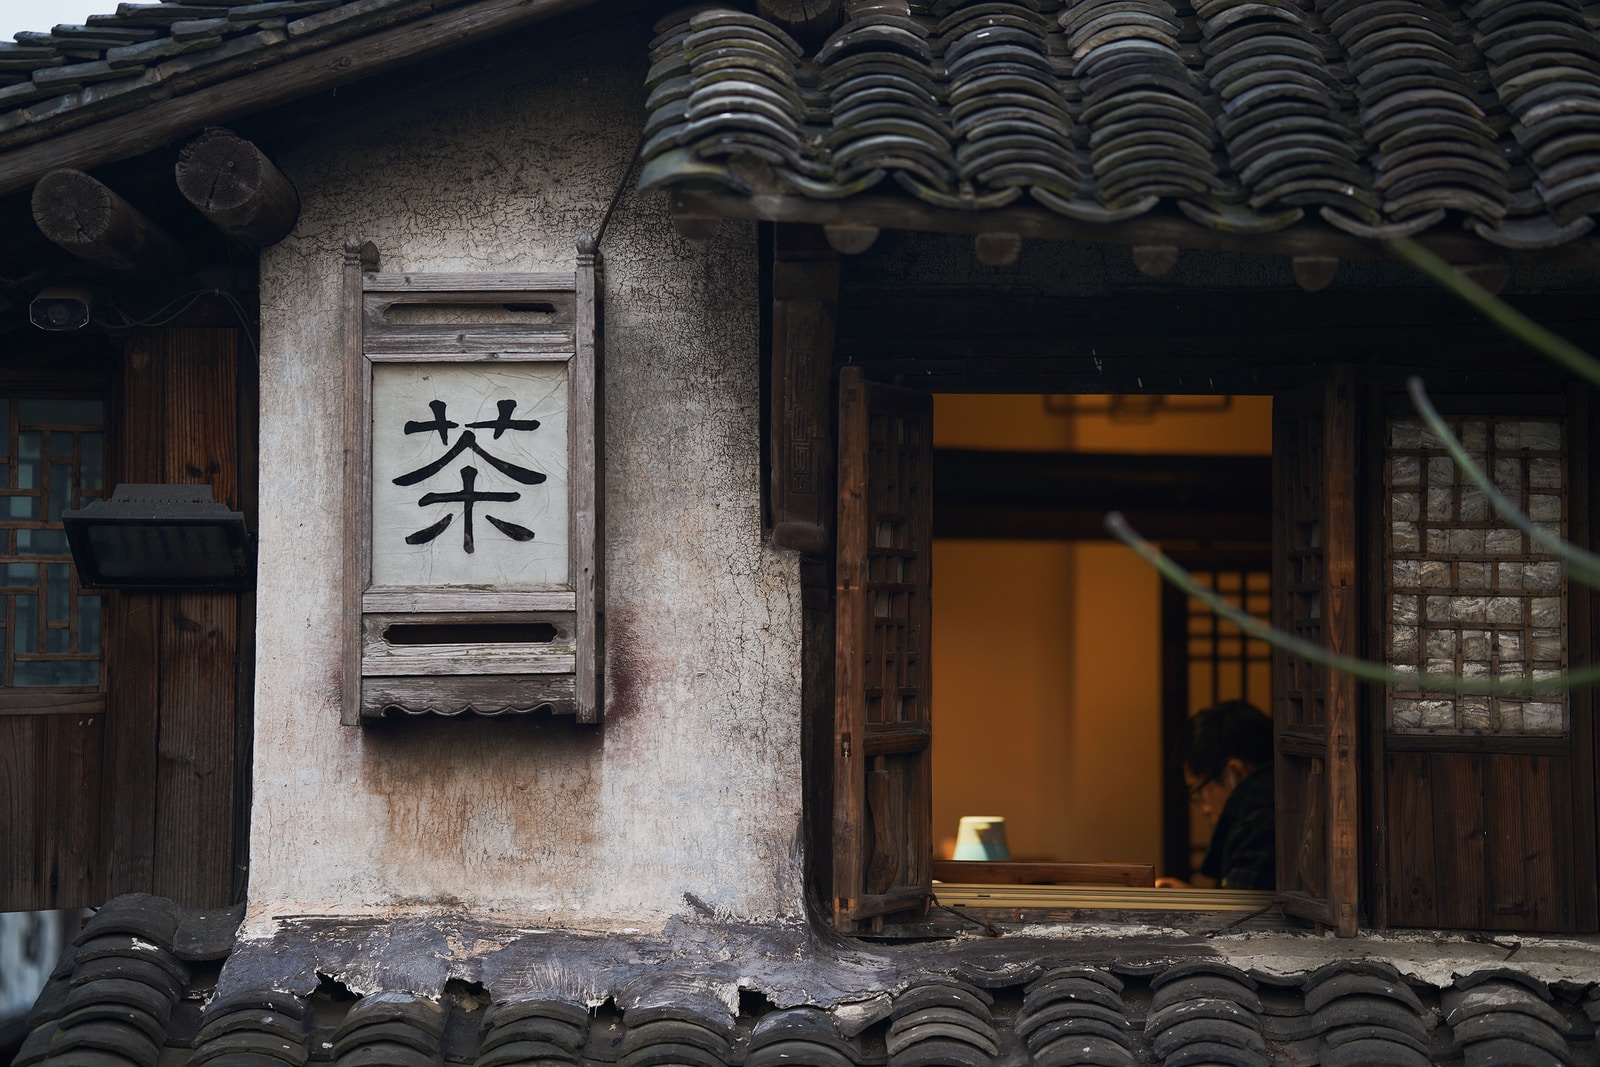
(1194,794)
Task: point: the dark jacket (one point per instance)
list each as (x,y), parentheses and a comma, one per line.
(1243,852)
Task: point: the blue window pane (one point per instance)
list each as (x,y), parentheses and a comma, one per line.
(61,445)
(25,633)
(60,491)
(22,507)
(58,589)
(37,410)
(28,445)
(57,672)
(57,640)
(42,542)
(88,624)
(91,466)
(5,427)
(23,574)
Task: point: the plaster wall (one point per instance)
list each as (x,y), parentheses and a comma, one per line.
(687,799)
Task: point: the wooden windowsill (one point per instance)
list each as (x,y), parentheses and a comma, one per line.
(1045,898)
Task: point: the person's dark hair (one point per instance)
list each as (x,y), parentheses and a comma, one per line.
(1232,729)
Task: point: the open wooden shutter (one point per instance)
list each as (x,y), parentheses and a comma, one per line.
(882,808)
(1314,709)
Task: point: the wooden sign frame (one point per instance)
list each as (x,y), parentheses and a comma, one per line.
(447,650)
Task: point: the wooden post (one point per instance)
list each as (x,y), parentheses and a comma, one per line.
(232,183)
(95,224)
(805,292)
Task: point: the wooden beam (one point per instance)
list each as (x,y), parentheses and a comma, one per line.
(1159,227)
(186,102)
(1065,495)
(805,291)
(87,219)
(232,183)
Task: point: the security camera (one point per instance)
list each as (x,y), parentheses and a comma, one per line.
(62,307)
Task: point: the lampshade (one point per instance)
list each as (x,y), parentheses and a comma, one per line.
(157,537)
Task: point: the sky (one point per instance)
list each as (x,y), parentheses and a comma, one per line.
(42,14)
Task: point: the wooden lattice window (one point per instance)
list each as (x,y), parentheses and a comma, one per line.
(53,460)
(1467,592)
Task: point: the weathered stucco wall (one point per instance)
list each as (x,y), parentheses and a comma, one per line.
(688,797)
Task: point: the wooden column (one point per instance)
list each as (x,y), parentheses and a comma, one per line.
(805,293)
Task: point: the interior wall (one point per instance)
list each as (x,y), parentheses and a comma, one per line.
(1047,655)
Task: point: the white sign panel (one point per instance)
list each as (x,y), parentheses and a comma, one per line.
(469,475)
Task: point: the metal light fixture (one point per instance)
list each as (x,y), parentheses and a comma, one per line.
(160,537)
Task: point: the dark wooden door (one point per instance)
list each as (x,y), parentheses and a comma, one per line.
(1486,801)
(883,799)
(1315,598)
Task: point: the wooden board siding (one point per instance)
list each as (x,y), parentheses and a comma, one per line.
(1480,841)
(49,768)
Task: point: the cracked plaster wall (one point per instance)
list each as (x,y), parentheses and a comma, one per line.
(691,788)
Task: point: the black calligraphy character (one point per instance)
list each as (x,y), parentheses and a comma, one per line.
(465,441)
(503,422)
(467,497)
(438,423)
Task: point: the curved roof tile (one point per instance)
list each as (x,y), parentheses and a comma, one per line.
(1385,117)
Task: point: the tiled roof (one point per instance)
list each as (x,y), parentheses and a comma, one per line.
(46,75)
(1380,117)
(137,989)
(130,81)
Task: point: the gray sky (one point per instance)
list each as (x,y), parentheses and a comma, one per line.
(42,14)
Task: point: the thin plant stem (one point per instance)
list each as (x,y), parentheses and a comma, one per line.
(1581,566)
(1365,670)
(1498,311)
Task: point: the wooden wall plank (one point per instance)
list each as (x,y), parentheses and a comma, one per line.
(1458,840)
(199,637)
(133,641)
(1411,893)
(1519,843)
(71,777)
(21,875)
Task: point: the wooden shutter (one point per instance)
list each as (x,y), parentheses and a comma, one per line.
(882,810)
(1314,709)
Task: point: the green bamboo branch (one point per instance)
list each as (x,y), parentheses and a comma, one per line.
(1581,566)
(1365,670)
(1498,311)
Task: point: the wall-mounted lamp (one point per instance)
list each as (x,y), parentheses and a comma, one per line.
(160,537)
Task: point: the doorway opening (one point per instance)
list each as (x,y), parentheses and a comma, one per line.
(1064,668)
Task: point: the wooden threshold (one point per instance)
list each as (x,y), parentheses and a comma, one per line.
(1099,897)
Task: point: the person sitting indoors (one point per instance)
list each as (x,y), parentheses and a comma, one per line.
(1227,765)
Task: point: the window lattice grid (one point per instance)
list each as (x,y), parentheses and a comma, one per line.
(1468,593)
(54,460)
(1224,662)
